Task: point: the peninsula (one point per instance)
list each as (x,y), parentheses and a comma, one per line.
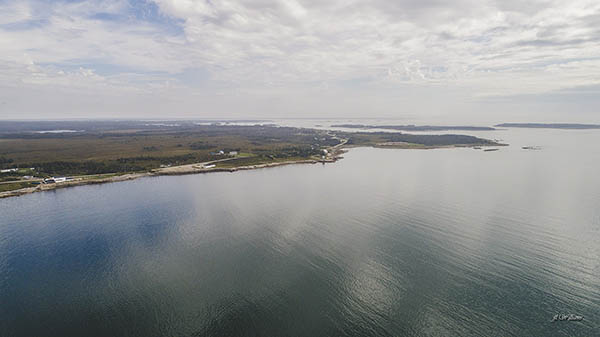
(566,126)
(37,156)
(415,127)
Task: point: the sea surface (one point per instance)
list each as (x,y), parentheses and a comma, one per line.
(447,242)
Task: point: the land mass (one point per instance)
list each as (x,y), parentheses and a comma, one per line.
(550,126)
(37,156)
(415,127)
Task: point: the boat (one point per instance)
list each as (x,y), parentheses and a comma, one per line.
(488,150)
(569,317)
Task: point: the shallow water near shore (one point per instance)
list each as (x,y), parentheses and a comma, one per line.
(447,242)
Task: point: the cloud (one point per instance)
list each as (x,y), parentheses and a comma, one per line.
(263,48)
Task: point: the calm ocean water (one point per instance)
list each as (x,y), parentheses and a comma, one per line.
(452,242)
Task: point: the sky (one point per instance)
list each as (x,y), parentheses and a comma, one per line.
(461,60)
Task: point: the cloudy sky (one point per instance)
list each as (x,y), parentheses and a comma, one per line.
(500,60)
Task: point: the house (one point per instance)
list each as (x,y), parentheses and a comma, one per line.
(9,170)
(57,180)
(233,153)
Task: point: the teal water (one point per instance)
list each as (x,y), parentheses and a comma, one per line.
(451,242)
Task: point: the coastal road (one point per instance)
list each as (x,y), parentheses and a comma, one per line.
(191,167)
(20,181)
(172,169)
(342,143)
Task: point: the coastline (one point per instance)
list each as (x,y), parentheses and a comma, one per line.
(169,171)
(198,168)
(412,146)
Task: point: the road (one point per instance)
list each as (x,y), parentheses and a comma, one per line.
(191,167)
(171,169)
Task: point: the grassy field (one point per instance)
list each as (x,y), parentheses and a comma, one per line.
(15,186)
(128,150)
(257,160)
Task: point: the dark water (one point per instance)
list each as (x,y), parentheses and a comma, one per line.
(452,242)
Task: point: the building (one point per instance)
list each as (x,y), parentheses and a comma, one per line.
(57,180)
(233,153)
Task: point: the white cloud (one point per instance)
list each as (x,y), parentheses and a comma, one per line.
(264,48)
(14,12)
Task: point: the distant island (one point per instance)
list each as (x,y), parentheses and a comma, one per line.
(549,126)
(415,141)
(415,127)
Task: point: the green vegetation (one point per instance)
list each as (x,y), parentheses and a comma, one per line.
(131,150)
(416,127)
(4,161)
(257,160)
(374,138)
(15,186)
(104,148)
(101,176)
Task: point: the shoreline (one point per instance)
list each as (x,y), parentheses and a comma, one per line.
(197,168)
(411,146)
(170,171)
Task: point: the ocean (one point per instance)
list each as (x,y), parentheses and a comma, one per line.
(386,242)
